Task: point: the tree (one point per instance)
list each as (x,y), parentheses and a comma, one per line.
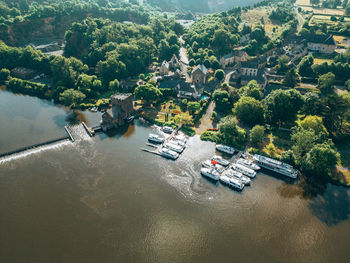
(230,133)
(71,97)
(315,2)
(326,82)
(4,75)
(222,41)
(291,78)
(222,100)
(220,75)
(303,141)
(283,105)
(321,159)
(147,92)
(184,119)
(257,134)
(313,123)
(252,90)
(347,84)
(113,85)
(193,106)
(249,110)
(305,68)
(282,64)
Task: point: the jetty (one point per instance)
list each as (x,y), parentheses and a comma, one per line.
(156,148)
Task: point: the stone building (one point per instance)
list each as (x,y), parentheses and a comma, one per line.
(321,43)
(199,74)
(164,68)
(122,108)
(235,57)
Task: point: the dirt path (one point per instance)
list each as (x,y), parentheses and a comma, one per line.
(206,122)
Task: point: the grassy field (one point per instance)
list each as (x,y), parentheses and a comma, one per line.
(322,60)
(319,19)
(323,11)
(254,15)
(303,2)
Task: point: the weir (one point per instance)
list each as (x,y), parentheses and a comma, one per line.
(74,133)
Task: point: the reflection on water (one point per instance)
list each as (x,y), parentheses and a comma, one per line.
(104,200)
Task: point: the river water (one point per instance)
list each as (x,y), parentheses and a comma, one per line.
(104,200)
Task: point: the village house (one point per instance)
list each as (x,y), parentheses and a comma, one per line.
(164,68)
(321,43)
(199,74)
(235,57)
(247,71)
(174,62)
(122,108)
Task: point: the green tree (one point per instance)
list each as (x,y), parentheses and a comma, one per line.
(4,75)
(283,105)
(326,83)
(113,85)
(347,84)
(314,123)
(193,106)
(303,141)
(257,134)
(252,90)
(321,159)
(71,97)
(147,92)
(230,133)
(305,66)
(219,75)
(249,110)
(222,100)
(282,65)
(291,78)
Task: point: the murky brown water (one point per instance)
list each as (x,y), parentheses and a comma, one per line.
(104,200)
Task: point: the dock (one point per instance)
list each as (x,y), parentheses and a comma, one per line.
(160,146)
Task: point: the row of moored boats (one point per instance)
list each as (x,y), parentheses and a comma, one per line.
(170,148)
(239,174)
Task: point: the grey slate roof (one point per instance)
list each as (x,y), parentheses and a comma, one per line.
(202,68)
(249,64)
(321,39)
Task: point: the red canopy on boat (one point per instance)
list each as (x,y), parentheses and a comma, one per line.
(214,162)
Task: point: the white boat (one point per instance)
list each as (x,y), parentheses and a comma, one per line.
(232,182)
(165,152)
(244,170)
(248,163)
(181,138)
(167,129)
(210,173)
(174,147)
(180,143)
(220,160)
(244,179)
(155,138)
(225,149)
(209,164)
(276,166)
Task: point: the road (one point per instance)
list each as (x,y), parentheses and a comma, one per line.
(300,19)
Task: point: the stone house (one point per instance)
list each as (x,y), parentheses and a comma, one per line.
(235,57)
(122,108)
(199,74)
(164,68)
(249,68)
(321,43)
(174,62)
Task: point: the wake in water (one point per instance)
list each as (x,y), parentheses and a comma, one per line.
(35,151)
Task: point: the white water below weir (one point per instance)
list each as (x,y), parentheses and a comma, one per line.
(75,133)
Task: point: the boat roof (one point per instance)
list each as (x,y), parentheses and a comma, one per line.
(273,162)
